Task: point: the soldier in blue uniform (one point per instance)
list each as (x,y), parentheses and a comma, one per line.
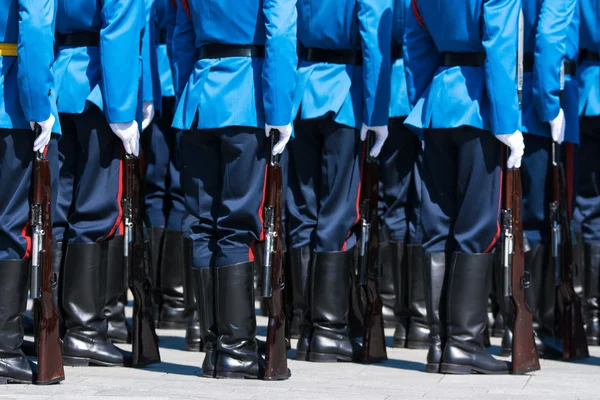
(27,97)
(343,91)
(401,284)
(550,39)
(235,73)
(97,74)
(588,195)
(461,76)
(163,194)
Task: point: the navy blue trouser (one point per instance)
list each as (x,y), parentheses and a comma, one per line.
(89,196)
(16,161)
(461,190)
(324,184)
(399,182)
(224,183)
(162,189)
(588,192)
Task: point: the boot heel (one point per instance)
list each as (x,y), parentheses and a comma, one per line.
(301,355)
(75,361)
(432,368)
(323,357)
(456,369)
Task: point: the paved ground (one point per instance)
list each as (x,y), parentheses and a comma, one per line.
(401,377)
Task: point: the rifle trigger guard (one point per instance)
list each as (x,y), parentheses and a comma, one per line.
(526,280)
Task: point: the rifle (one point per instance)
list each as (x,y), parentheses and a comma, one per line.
(516,279)
(373,349)
(272,277)
(48,344)
(144,338)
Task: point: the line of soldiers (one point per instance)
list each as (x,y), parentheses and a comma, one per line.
(199,85)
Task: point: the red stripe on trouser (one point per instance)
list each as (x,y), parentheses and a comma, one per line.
(357,220)
(119,220)
(260,216)
(417,13)
(498,229)
(27,238)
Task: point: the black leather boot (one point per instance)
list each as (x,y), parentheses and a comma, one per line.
(398,258)
(171,282)
(466,317)
(57,266)
(387,255)
(418,329)
(506,308)
(14,365)
(204,289)
(237,350)
(330,288)
(155,245)
(83,300)
(434,276)
(300,264)
(118,330)
(193,341)
(592,293)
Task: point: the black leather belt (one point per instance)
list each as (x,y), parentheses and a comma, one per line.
(396,52)
(78,39)
(463,59)
(218,50)
(528,61)
(347,57)
(586,55)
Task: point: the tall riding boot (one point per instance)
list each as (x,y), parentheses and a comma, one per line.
(418,329)
(118,330)
(592,293)
(398,261)
(205,301)
(171,282)
(83,300)
(330,288)
(155,244)
(386,282)
(300,262)
(237,350)
(540,295)
(434,275)
(57,263)
(466,317)
(193,341)
(14,366)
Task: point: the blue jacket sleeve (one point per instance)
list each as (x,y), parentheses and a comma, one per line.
(375,26)
(147,44)
(120,57)
(184,50)
(550,50)
(35,78)
(421,56)
(500,39)
(281,61)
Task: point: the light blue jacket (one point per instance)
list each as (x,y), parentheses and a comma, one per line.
(551,36)
(235,91)
(448,97)
(399,106)
(351,94)
(27,91)
(109,75)
(589,71)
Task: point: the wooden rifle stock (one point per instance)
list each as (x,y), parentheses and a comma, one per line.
(276,347)
(144,338)
(48,344)
(524,353)
(567,308)
(373,349)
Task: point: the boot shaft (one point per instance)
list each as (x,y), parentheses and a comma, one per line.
(330,289)
(13,304)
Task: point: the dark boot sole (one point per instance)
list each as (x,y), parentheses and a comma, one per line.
(5,380)
(70,361)
(301,355)
(171,325)
(208,374)
(119,340)
(416,345)
(456,369)
(432,368)
(194,347)
(399,343)
(327,358)
(235,375)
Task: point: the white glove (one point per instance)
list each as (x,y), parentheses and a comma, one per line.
(516,144)
(147,114)
(130,136)
(42,141)
(284,136)
(557,127)
(381,134)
